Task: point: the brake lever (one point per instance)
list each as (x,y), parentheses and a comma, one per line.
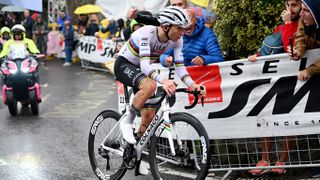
(202,98)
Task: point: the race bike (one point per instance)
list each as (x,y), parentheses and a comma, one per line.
(21,79)
(177,144)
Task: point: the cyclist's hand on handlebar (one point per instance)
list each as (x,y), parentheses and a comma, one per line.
(201,88)
(169,86)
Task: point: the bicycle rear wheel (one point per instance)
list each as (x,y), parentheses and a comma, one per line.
(105,147)
(192,155)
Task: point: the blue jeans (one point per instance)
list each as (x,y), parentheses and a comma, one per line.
(68,51)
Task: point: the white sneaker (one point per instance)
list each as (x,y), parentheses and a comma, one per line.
(66,64)
(144,168)
(126,129)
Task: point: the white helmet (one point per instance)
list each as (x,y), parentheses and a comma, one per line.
(174,15)
(18,27)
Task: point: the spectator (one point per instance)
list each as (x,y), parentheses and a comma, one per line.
(93,26)
(120,28)
(2,21)
(61,19)
(308,36)
(34,16)
(200,45)
(68,42)
(82,23)
(40,30)
(290,17)
(27,23)
(148,18)
(210,20)
(12,19)
(134,25)
(16,19)
(103,32)
(112,27)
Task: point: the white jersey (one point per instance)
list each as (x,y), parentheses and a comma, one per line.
(144,48)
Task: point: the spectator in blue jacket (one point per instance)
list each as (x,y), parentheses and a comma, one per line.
(68,42)
(62,18)
(200,45)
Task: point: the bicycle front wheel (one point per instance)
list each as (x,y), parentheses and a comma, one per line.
(192,148)
(105,147)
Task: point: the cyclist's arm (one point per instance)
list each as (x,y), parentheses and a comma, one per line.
(145,61)
(179,62)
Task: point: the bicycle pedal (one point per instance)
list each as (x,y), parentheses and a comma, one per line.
(129,157)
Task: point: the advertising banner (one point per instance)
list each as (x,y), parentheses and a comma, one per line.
(254,99)
(96,50)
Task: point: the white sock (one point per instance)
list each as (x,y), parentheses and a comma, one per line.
(130,115)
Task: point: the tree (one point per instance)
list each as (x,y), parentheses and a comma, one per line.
(243,24)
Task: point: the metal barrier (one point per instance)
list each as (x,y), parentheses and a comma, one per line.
(243,154)
(93,65)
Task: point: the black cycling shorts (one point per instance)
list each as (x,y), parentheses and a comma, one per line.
(127,73)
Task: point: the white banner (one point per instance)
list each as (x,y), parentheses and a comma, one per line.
(257,99)
(96,50)
(115,9)
(35,5)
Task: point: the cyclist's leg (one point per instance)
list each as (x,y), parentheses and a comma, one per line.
(147,88)
(131,75)
(147,115)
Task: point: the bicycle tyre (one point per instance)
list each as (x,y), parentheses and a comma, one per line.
(34,104)
(98,132)
(158,147)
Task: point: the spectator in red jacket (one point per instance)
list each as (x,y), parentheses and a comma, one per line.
(290,17)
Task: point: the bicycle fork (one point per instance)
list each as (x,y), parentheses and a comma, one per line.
(168,128)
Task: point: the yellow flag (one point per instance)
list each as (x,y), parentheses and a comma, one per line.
(202,3)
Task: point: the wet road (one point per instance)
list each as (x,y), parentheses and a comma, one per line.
(53,145)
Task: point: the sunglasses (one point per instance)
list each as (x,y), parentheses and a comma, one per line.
(177,4)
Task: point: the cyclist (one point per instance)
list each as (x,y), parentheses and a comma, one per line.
(133,66)
(18,34)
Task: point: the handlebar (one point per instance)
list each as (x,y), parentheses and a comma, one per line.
(37,56)
(160,98)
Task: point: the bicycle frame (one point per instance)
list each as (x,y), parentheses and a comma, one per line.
(161,117)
